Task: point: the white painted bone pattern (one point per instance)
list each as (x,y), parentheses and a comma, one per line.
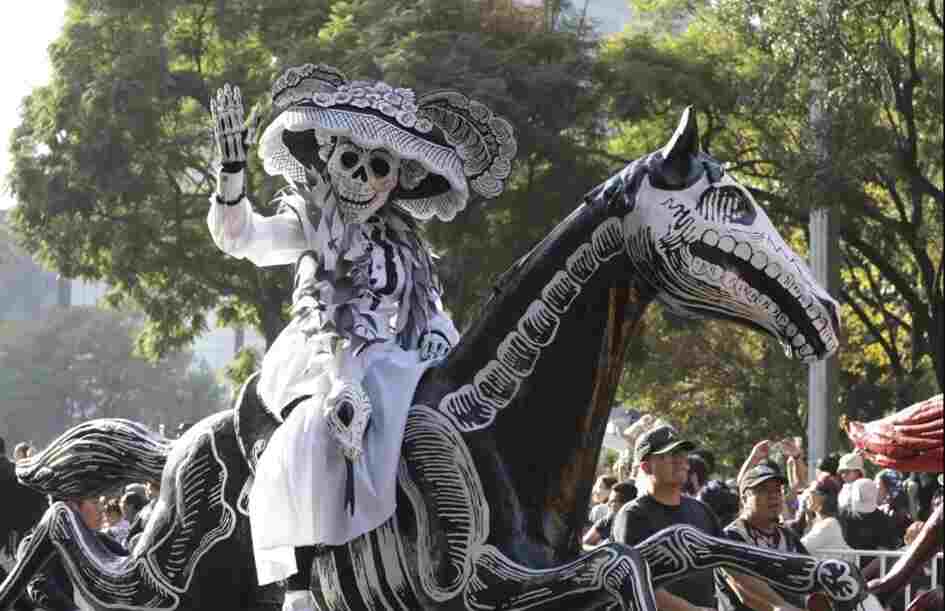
(496,384)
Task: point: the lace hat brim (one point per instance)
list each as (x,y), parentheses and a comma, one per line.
(451,145)
(291,141)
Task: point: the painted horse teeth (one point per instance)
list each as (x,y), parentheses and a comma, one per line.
(710,237)
(727,244)
(759,260)
(743,251)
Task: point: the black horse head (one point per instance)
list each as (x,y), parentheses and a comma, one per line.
(709,250)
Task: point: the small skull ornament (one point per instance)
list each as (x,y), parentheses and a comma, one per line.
(348,412)
(362,179)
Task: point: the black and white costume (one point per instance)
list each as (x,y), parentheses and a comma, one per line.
(364,162)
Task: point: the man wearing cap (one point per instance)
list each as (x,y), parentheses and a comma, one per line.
(664,458)
(762,495)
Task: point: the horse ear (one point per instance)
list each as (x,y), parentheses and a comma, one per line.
(680,152)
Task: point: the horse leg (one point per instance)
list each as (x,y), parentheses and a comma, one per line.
(677,550)
(610,577)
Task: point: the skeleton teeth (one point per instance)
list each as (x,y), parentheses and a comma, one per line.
(791,330)
(710,237)
(727,244)
(752,295)
(798,340)
(715,272)
(743,251)
(782,320)
(729,280)
(805,351)
(795,290)
(820,324)
(812,312)
(759,260)
(698,266)
(773,269)
(805,301)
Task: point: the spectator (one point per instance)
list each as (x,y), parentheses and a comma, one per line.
(22,451)
(601,531)
(698,475)
(116,526)
(599,495)
(139,489)
(131,503)
(850,468)
(721,499)
(663,459)
(153,491)
(864,526)
(826,532)
(888,483)
(51,589)
(708,458)
(827,468)
(762,496)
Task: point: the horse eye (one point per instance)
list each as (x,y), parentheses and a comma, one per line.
(380,167)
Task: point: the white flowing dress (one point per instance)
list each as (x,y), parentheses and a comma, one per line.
(298,496)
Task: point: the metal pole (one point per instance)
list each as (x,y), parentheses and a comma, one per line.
(824,260)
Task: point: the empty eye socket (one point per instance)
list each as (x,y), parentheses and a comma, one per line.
(349,159)
(380,167)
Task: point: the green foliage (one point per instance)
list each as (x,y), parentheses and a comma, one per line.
(755,71)
(111,165)
(77,363)
(244,364)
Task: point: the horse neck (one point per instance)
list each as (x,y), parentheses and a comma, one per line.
(546,356)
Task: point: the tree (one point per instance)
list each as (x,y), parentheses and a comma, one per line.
(111,162)
(752,70)
(78,363)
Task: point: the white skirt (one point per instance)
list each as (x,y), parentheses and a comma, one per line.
(298,496)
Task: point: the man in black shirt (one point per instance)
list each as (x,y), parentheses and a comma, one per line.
(663,457)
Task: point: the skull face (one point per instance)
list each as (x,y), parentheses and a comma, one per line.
(710,250)
(361,179)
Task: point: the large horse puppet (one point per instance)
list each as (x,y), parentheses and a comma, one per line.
(488,512)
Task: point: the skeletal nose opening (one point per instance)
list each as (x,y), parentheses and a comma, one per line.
(360,174)
(831,308)
(346,414)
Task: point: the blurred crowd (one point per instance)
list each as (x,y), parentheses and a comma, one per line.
(837,512)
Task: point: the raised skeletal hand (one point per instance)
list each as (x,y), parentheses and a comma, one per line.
(233,136)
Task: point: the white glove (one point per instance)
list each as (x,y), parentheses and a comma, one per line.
(232,137)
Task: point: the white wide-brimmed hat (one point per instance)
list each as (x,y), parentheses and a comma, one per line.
(851,461)
(450,145)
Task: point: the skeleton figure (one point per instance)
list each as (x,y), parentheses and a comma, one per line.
(364,161)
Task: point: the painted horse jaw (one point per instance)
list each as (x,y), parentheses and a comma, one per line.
(711,252)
